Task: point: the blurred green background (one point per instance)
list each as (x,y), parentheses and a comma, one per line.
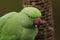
(10,5)
(16,5)
(56,16)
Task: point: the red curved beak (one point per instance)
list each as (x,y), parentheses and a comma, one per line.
(37,22)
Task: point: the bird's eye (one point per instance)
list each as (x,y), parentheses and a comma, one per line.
(29,16)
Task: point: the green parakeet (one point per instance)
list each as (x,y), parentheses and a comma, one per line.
(21,25)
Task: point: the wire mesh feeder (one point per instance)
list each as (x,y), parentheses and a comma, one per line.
(46,29)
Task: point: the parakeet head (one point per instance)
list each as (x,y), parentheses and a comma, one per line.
(32,13)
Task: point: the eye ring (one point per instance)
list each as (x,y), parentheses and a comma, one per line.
(28,15)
